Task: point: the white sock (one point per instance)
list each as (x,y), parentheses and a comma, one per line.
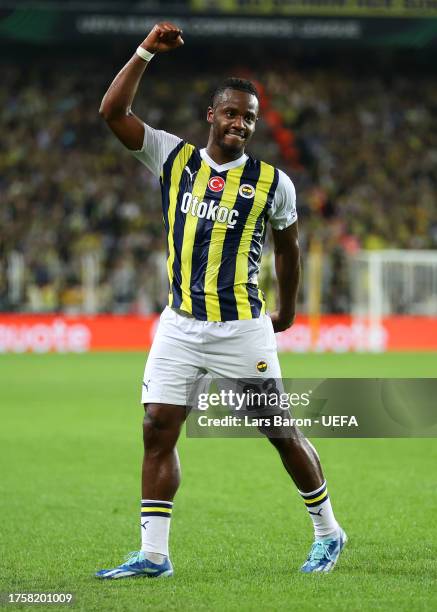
(155,528)
(320,510)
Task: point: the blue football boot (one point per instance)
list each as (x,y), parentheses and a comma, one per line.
(136,564)
(324,554)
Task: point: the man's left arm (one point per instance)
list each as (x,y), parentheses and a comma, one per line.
(283,219)
(287,265)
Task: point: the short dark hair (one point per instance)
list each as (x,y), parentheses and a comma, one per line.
(234,83)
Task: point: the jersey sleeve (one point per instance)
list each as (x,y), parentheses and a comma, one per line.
(157,146)
(283,210)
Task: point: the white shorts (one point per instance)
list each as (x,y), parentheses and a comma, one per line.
(186,350)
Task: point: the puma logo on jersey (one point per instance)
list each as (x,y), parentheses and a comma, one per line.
(212,211)
(190,173)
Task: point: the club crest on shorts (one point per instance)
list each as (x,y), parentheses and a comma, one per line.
(246,191)
(261,366)
(216,183)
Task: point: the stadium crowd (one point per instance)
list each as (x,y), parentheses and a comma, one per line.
(78,210)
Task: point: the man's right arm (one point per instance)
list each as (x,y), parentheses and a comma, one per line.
(117,101)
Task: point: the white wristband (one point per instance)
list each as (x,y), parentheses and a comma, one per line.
(144,54)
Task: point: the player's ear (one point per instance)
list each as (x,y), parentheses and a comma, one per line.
(210,114)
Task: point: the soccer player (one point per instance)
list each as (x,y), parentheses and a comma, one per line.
(216,204)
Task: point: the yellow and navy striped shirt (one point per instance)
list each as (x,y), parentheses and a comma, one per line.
(215,221)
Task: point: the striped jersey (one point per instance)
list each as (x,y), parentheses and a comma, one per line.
(215,218)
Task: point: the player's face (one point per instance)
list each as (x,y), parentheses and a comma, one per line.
(233,120)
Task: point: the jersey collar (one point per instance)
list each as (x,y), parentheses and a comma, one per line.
(222,168)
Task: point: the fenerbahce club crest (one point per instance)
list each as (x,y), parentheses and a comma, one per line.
(261,366)
(246,191)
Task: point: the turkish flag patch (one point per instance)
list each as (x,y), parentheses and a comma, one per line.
(216,183)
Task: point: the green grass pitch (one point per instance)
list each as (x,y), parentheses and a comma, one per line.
(70,449)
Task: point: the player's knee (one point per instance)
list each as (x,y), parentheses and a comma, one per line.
(164,417)
(288,440)
(278,443)
(148,427)
(153,436)
(160,428)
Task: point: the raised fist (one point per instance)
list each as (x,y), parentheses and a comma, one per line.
(163,37)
